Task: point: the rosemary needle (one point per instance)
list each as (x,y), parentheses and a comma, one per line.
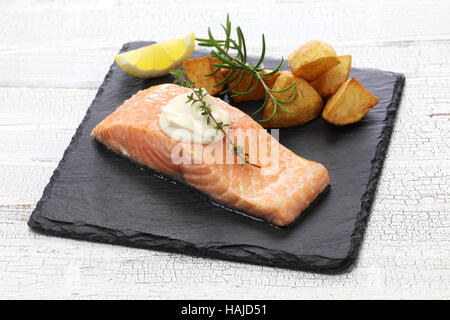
(239,67)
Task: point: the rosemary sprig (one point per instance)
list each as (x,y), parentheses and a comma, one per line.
(239,67)
(198,95)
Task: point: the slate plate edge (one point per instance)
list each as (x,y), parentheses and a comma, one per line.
(240,253)
(375,173)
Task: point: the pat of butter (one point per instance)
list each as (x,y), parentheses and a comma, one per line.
(183,121)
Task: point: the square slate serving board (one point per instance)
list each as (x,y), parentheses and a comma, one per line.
(97,195)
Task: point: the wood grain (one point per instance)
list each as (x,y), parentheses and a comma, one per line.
(53,56)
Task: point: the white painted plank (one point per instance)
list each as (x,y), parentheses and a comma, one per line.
(375,35)
(25,146)
(345,21)
(25,108)
(24,183)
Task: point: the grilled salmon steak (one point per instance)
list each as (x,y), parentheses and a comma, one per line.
(278,188)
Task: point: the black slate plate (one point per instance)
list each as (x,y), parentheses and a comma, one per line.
(97,195)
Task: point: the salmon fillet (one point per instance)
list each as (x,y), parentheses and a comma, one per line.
(279,191)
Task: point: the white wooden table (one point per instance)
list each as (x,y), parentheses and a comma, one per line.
(53,57)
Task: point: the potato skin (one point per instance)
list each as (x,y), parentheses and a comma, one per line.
(196,70)
(306,105)
(349,104)
(312,59)
(258,94)
(329,82)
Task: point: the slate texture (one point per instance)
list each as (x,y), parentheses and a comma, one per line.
(96,195)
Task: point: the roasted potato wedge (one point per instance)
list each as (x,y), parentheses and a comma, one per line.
(258,94)
(197,68)
(312,60)
(349,104)
(306,105)
(329,82)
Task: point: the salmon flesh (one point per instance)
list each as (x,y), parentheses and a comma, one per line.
(278,188)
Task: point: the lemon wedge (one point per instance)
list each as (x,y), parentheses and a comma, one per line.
(157,59)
